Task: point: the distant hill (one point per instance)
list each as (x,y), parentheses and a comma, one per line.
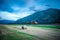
(6,21)
(49,16)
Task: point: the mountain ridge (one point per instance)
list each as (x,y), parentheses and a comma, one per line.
(6,21)
(46,16)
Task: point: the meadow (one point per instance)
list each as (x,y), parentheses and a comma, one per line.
(32,32)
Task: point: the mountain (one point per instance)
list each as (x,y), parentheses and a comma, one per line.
(49,16)
(6,21)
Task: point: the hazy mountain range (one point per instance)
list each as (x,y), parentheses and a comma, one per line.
(6,21)
(48,16)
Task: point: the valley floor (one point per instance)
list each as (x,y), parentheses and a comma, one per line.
(40,33)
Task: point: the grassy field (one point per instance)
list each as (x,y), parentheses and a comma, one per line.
(6,34)
(11,34)
(40,26)
(46,26)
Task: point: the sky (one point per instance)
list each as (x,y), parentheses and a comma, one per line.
(16,9)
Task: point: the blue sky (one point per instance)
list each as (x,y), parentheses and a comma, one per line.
(16,9)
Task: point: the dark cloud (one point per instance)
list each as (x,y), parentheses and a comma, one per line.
(49,3)
(5,5)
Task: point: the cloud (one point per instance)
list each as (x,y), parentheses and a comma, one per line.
(39,8)
(24,14)
(50,3)
(8,16)
(6,5)
(4,15)
(16,9)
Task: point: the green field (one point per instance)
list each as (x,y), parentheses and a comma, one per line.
(46,26)
(15,35)
(40,26)
(8,34)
